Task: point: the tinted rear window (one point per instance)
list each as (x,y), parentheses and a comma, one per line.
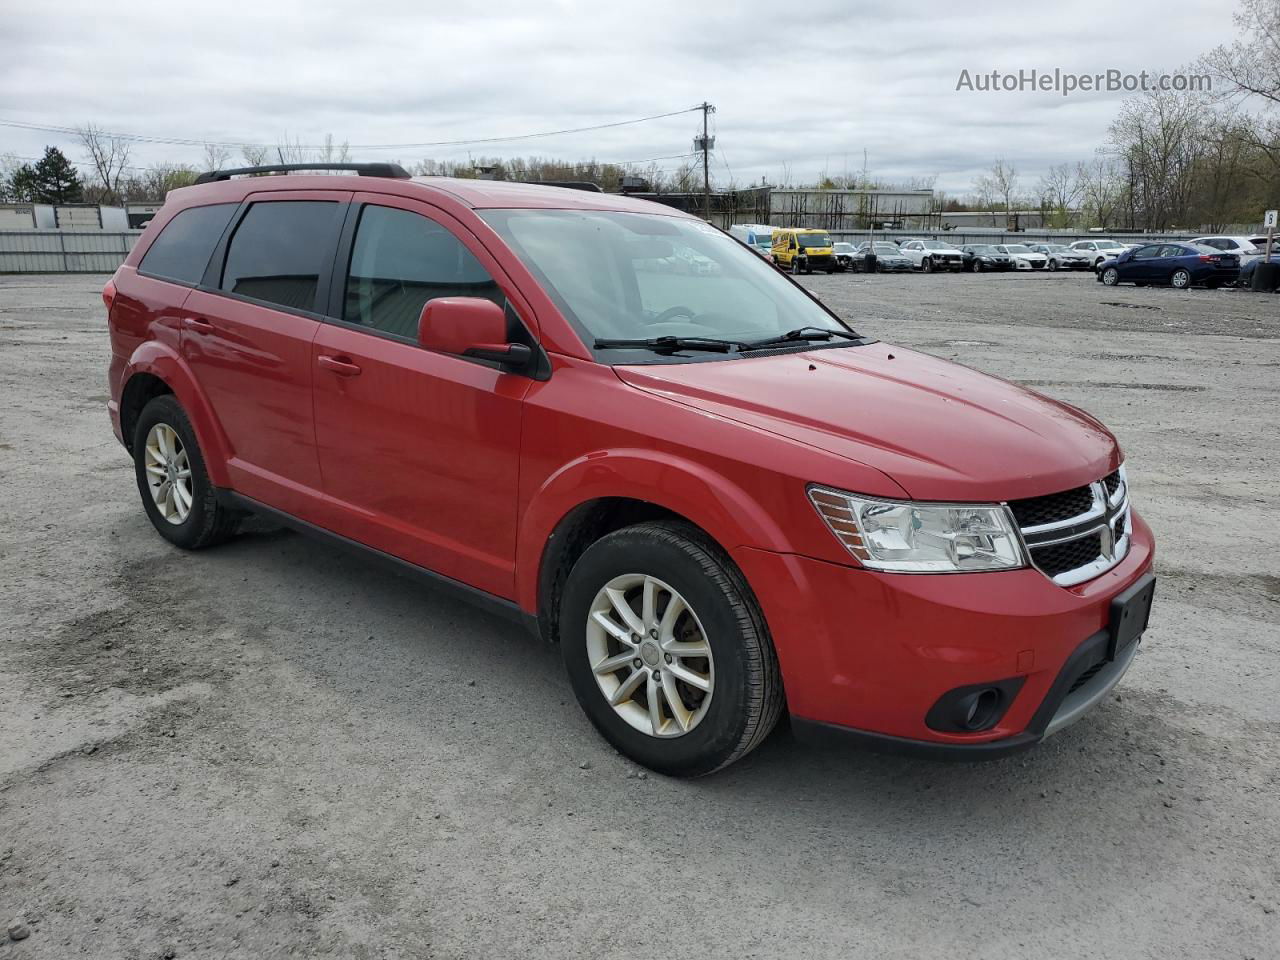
(278,251)
(182,250)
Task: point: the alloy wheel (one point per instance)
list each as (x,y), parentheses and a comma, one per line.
(650,655)
(1181,279)
(168,473)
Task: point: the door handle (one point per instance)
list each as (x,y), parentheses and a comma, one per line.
(198,325)
(339,365)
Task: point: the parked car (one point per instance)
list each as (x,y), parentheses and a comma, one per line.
(1246,270)
(1062,257)
(1242,247)
(983,256)
(1099,250)
(1180,265)
(803,251)
(900,241)
(889,258)
(1260,243)
(494,388)
(1024,258)
(845,254)
(757,236)
(931,255)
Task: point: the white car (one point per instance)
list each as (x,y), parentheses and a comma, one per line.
(1024,258)
(1242,247)
(931,255)
(1099,250)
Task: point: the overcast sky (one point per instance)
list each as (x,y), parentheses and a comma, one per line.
(809,85)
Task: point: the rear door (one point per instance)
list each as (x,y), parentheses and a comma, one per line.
(247,339)
(420,450)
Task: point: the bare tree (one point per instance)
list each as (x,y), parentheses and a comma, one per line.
(215,156)
(255,154)
(1058,193)
(110,158)
(1251,65)
(1099,190)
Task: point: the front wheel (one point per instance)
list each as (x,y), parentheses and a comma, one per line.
(927,264)
(1180,280)
(795,266)
(1110,277)
(177,495)
(667,651)
(1053,265)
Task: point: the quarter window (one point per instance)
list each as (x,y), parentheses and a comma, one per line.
(278,251)
(184,246)
(401,260)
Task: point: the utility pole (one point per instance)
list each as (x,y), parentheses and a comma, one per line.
(705,143)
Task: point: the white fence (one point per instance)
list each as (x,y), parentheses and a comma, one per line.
(64,251)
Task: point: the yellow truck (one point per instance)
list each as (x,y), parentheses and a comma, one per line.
(804,250)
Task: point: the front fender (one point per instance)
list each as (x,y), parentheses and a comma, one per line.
(693,490)
(162,361)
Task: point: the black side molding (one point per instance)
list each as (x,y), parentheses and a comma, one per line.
(480,598)
(391,170)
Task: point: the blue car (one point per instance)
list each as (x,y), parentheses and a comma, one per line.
(1180,265)
(1246,272)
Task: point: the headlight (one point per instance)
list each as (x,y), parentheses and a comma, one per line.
(908,537)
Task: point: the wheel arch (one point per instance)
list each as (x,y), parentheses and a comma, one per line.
(604,492)
(155,370)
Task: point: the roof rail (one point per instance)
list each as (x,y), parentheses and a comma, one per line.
(568,184)
(392,170)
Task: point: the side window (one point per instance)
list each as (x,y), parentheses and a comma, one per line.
(1172,251)
(1146,253)
(399,261)
(278,251)
(184,246)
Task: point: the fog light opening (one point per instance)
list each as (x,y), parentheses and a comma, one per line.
(980,709)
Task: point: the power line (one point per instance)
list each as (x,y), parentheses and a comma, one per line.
(192,142)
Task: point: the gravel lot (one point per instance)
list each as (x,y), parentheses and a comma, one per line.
(272,749)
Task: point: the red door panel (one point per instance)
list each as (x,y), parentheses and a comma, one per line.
(254,364)
(421,450)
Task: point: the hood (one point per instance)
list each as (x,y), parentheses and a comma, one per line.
(941,430)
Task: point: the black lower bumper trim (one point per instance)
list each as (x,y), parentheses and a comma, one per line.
(830,735)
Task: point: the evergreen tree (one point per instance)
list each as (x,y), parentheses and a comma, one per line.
(23,185)
(56,180)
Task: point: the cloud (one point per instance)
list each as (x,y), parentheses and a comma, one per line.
(809,86)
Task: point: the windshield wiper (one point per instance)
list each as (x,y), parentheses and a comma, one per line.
(801,335)
(671,344)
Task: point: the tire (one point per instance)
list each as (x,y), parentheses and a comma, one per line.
(1110,277)
(1053,266)
(795,266)
(744,698)
(927,264)
(205,522)
(1180,279)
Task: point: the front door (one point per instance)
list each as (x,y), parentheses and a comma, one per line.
(419,449)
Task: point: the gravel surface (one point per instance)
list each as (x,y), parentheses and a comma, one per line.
(273,749)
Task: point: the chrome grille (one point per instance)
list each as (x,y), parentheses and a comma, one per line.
(1075,535)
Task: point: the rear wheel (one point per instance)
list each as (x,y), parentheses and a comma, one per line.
(1180,279)
(1110,276)
(176,493)
(666,650)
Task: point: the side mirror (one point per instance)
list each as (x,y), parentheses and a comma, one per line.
(470,327)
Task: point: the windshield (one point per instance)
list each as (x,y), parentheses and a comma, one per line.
(844,248)
(1110,245)
(888,250)
(813,240)
(936,245)
(983,250)
(1016,248)
(638,275)
(763,242)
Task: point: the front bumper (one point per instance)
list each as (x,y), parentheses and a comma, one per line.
(868,654)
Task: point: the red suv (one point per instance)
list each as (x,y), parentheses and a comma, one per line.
(615,423)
